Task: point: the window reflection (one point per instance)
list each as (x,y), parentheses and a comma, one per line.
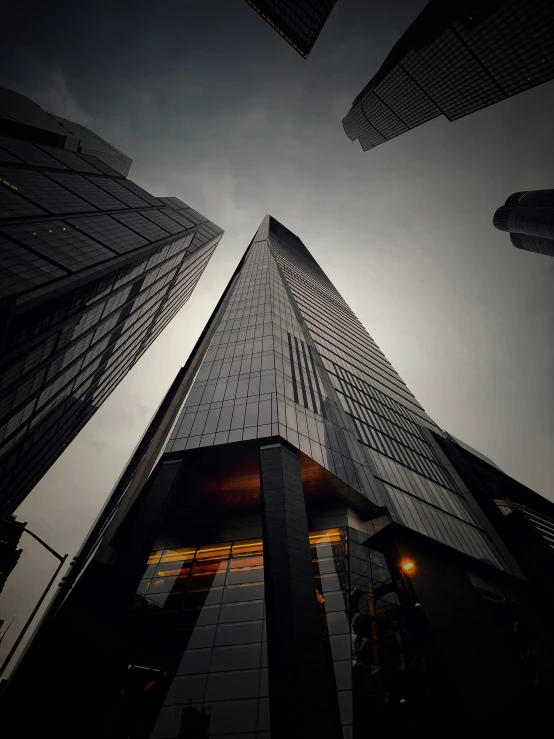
(199,628)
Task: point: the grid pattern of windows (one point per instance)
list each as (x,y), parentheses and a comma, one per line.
(12,205)
(150,199)
(185,222)
(141,225)
(289,358)
(71,160)
(109,232)
(43,191)
(30,154)
(21,269)
(299,22)
(367,622)
(61,243)
(93,157)
(122,194)
(454,62)
(207,602)
(61,358)
(159,218)
(173,202)
(86,190)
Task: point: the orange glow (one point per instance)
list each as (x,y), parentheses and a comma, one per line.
(175,555)
(246,563)
(329,535)
(408,566)
(171,573)
(247,547)
(212,552)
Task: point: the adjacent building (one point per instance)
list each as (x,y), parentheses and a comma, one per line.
(92,269)
(528,216)
(299,22)
(22,118)
(291,551)
(524,519)
(455,58)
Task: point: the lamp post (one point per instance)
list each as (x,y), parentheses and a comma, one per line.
(61,559)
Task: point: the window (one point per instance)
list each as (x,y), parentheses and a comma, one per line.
(109,232)
(60,242)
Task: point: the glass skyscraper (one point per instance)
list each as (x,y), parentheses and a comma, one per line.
(529,218)
(299,22)
(290,552)
(455,58)
(92,269)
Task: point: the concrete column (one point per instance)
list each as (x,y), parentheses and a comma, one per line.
(303,697)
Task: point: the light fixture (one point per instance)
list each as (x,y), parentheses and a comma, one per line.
(408,566)
(402,700)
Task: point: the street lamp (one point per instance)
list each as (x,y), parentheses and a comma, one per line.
(40,601)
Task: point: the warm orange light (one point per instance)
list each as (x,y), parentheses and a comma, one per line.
(408,566)
(325,537)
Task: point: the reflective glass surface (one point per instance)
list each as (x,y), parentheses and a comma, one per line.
(454,61)
(62,358)
(199,640)
(290,358)
(387,669)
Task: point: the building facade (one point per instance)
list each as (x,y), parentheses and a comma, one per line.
(290,551)
(92,269)
(455,58)
(529,218)
(524,519)
(299,22)
(22,118)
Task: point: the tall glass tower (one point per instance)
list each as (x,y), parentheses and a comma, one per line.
(290,553)
(92,269)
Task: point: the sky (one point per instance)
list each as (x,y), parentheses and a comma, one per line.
(216,109)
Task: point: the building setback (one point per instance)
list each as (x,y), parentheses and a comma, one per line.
(290,551)
(529,218)
(524,519)
(455,58)
(299,22)
(22,118)
(92,269)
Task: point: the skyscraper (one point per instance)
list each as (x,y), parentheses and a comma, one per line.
(529,218)
(455,58)
(92,268)
(298,21)
(290,552)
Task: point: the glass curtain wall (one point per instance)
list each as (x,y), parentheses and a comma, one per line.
(290,358)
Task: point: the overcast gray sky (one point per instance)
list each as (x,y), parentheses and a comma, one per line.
(216,109)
